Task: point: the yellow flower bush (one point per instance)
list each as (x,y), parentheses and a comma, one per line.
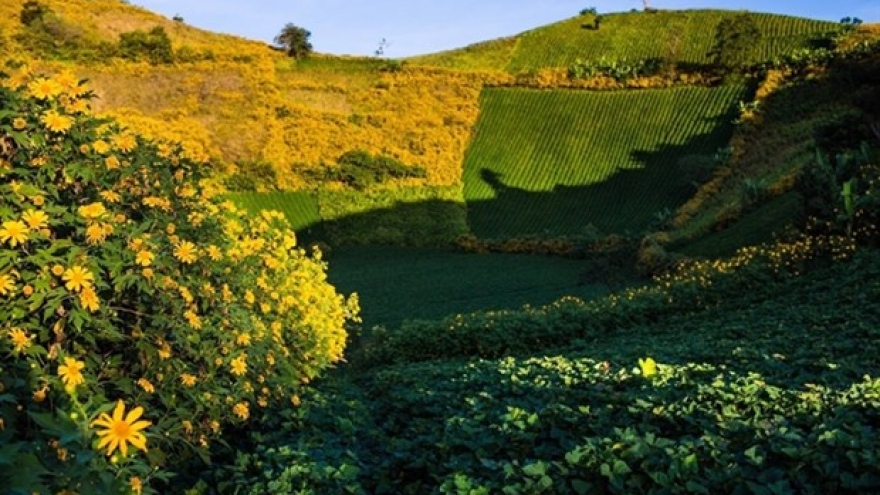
(126,286)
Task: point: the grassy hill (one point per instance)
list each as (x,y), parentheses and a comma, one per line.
(751,373)
(683,36)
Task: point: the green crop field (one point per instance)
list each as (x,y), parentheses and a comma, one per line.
(686,35)
(552,162)
(395,284)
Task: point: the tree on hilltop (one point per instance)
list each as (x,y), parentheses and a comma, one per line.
(735,41)
(295,41)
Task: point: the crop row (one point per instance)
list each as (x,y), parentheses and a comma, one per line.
(607,159)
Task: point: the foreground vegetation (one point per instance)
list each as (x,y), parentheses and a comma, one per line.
(765,391)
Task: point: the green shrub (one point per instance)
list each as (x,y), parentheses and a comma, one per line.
(253,176)
(153,46)
(125,286)
(361,170)
(48,35)
(736,38)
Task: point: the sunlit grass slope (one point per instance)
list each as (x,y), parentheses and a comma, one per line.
(555,161)
(239,101)
(682,35)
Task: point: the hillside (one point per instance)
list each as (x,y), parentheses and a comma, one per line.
(684,36)
(541,264)
(568,171)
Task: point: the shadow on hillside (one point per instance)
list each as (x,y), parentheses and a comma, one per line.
(626,202)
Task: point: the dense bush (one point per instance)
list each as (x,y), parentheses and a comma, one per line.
(253,176)
(153,46)
(49,35)
(619,70)
(295,41)
(361,170)
(125,286)
(735,41)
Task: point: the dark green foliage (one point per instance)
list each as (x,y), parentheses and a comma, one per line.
(736,39)
(47,35)
(253,176)
(153,46)
(361,170)
(620,70)
(33,11)
(295,41)
(766,393)
(841,194)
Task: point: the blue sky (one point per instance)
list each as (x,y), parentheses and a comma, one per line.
(411,27)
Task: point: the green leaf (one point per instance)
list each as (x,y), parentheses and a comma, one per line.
(621,467)
(536,469)
(581,487)
(694,487)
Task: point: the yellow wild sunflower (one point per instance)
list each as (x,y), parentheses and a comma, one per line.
(71,372)
(187,379)
(95,234)
(186,252)
(35,219)
(89,300)
(19,123)
(20,339)
(7,284)
(43,88)
(144,258)
(56,122)
(101,147)
(92,211)
(14,232)
(146,385)
(120,429)
(124,142)
(77,278)
(241,410)
(239,365)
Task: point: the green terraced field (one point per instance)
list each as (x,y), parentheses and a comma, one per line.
(684,35)
(641,35)
(552,162)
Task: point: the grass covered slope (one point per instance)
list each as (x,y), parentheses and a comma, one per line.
(685,36)
(554,162)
